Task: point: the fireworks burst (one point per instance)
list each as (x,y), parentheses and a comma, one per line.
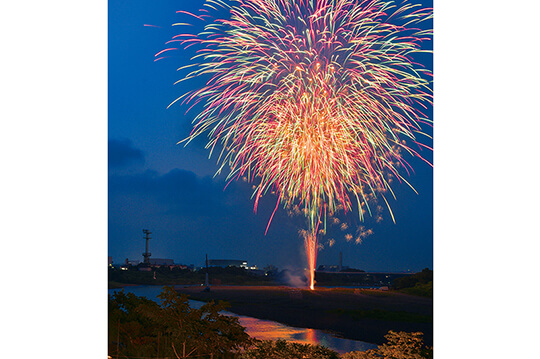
(316,99)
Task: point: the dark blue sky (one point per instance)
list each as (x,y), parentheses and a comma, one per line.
(54,122)
(168,188)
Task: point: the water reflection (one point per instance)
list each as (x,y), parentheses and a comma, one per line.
(311,336)
(270,330)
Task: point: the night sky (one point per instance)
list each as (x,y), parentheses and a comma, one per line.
(55,176)
(170,189)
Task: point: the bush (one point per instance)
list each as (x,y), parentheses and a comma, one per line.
(400,345)
(139,327)
(422,281)
(281,349)
(420,289)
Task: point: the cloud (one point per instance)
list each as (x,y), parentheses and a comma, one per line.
(122,153)
(191,215)
(178,192)
(184,192)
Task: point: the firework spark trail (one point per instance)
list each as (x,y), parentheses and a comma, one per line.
(311,245)
(314,98)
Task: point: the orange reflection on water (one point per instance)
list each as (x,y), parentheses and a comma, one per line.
(267,330)
(311,336)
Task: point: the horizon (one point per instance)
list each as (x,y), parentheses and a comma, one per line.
(259,267)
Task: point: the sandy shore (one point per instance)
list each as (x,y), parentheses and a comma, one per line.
(365,315)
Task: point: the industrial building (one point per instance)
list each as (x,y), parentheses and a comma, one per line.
(161,262)
(155,261)
(227,263)
(334,268)
(132,262)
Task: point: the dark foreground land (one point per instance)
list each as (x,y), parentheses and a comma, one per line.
(365,315)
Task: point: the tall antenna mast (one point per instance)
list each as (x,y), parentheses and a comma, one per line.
(147,254)
(206,284)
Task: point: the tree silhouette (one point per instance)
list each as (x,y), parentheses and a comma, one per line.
(139,327)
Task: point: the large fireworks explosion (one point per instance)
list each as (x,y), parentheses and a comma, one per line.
(315,100)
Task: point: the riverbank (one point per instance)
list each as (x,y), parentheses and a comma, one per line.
(357,314)
(117,285)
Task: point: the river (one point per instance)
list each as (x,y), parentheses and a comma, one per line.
(267,329)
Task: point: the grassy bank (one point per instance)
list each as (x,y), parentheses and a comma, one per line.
(378,314)
(420,289)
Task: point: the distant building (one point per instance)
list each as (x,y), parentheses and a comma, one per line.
(132,262)
(227,263)
(332,268)
(110,260)
(161,262)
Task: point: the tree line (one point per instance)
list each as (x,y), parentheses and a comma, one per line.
(141,328)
